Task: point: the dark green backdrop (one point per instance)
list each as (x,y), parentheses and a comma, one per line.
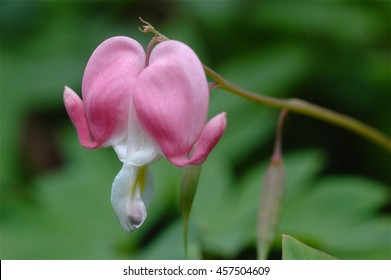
(55,196)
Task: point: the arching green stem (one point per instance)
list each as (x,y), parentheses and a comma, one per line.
(294,104)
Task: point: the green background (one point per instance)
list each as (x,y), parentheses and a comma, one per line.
(55,195)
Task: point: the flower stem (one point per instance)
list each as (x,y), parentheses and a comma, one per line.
(149,49)
(292,104)
(306,108)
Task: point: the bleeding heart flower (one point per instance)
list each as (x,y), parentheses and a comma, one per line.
(144,111)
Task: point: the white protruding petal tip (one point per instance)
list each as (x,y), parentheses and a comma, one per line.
(136,215)
(126,198)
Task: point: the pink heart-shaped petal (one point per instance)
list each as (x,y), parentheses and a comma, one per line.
(101,118)
(171,99)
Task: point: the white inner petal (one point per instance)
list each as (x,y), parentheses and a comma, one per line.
(130,188)
(149,187)
(136,148)
(133,187)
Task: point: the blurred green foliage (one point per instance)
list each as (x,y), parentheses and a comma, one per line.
(55,196)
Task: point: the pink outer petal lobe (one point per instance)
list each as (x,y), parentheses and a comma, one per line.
(171,99)
(107,86)
(75,108)
(210,136)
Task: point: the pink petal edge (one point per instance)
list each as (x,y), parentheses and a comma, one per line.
(75,109)
(210,136)
(208,139)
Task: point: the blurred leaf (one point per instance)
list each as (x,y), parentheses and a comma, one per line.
(73,215)
(166,197)
(247,123)
(215,13)
(168,245)
(293,249)
(237,201)
(187,32)
(339,215)
(270,71)
(361,24)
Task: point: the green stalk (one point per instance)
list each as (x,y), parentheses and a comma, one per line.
(305,108)
(191,175)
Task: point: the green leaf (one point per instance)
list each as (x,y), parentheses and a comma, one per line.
(293,249)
